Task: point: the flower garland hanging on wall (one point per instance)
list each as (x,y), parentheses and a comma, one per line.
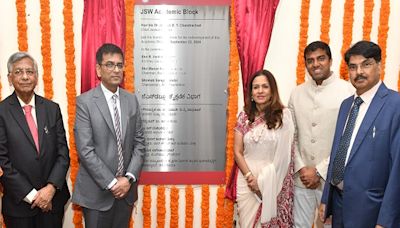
(325,18)
(205,206)
(146,208)
(46,48)
(174,205)
(71,94)
(189,197)
(367,23)
(383,32)
(348,20)
(300,71)
(161,206)
(129,44)
(22,26)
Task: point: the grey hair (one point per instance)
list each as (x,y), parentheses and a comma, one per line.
(17,56)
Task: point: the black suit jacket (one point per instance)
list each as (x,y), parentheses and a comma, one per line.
(24,168)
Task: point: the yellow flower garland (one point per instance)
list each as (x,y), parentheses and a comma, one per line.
(46,48)
(348,21)
(367,23)
(325,17)
(174,204)
(383,32)
(300,71)
(21,25)
(129,44)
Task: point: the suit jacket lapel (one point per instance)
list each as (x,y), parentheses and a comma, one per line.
(100,101)
(374,108)
(40,119)
(124,112)
(19,116)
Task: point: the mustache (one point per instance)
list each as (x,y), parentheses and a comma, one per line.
(358,77)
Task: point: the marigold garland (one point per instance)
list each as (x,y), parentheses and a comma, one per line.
(70,74)
(21,25)
(129,45)
(233,85)
(325,17)
(146,208)
(205,206)
(161,206)
(383,29)
(174,204)
(304,14)
(348,20)
(367,23)
(220,221)
(46,48)
(189,206)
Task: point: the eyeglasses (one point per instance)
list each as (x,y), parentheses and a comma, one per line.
(20,72)
(364,65)
(111,66)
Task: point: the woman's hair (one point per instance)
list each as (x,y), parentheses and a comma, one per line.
(273,112)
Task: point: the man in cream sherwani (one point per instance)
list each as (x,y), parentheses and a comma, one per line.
(315,106)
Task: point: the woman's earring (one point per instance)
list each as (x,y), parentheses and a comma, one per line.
(252,99)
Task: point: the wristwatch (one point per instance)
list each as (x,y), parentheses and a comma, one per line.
(130,179)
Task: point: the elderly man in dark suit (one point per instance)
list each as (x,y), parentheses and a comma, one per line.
(33,152)
(110,143)
(363,185)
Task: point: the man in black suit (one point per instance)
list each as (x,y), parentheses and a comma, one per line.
(33,152)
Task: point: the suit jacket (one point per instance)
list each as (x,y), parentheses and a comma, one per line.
(96,143)
(371,178)
(24,168)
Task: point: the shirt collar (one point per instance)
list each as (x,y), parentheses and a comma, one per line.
(369,95)
(325,82)
(31,103)
(107,93)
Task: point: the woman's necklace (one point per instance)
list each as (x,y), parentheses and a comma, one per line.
(256,133)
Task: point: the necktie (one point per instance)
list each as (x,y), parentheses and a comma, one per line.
(32,125)
(344,143)
(117,126)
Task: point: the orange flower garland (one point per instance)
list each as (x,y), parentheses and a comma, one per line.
(71,94)
(205,206)
(383,32)
(189,206)
(174,204)
(367,24)
(160,206)
(21,25)
(325,17)
(348,20)
(146,208)
(300,71)
(129,44)
(220,221)
(46,48)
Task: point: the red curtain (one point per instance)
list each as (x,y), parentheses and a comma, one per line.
(254,22)
(103,22)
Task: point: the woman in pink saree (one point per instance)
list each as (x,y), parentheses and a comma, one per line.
(263,153)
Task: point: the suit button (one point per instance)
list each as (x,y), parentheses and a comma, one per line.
(313,140)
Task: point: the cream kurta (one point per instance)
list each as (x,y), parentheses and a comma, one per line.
(315,110)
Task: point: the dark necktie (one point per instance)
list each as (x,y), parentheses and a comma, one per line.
(341,154)
(32,125)
(117,126)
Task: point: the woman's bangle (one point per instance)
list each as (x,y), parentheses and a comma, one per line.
(247,175)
